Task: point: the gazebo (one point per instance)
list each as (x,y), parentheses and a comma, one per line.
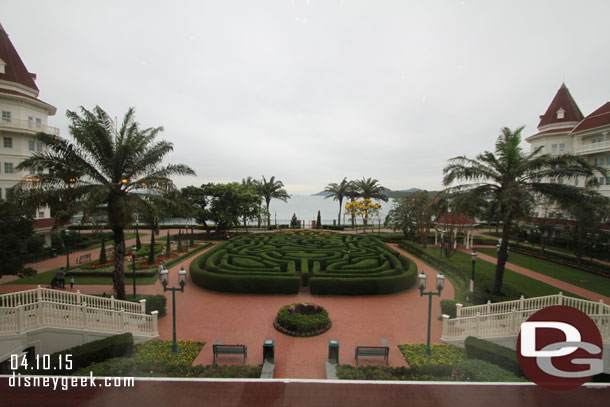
(455,223)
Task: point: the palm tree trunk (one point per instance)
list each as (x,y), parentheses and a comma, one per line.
(268,214)
(340,209)
(502,258)
(119,259)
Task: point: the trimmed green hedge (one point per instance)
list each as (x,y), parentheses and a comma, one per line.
(157,302)
(300,323)
(476,370)
(490,352)
(92,352)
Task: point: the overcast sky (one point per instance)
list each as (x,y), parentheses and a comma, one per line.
(314,91)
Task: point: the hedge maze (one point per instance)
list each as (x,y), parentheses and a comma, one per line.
(283,262)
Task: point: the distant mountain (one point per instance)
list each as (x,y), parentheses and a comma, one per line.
(388,192)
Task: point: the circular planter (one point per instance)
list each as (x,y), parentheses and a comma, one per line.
(302,319)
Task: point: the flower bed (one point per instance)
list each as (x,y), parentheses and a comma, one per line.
(302,319)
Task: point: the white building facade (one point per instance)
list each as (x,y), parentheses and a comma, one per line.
(563,129)
(23,116)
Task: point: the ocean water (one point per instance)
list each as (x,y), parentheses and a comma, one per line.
(306,208)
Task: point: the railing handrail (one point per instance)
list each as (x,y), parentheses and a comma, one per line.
(26,317)
(527,303)
(64,297)
(30,125)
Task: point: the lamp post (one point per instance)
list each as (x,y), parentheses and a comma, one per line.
(473,255)
(133,265)
(65,237)
(442,238)
(440,283)
(182,280)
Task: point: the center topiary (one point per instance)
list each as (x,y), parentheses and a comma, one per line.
(302,319)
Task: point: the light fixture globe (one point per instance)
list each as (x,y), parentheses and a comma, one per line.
(421,280)
(440,282)
(164,276)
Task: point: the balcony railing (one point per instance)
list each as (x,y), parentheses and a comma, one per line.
(30,125)
(588,147)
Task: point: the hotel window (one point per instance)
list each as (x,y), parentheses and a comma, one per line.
(607,180)
(598,140)
(576,182)
(554,148)
(41,214)
(560,113)
(31,145)
(8,142)
(8,168)
(601,180)
(39,146)
(562,147)
(38,123)
(6,116)
(561,180)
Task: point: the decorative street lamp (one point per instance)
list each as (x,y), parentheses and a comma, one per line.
(440,283)
(474,260)
(442,238)
(164,275)
(133,265)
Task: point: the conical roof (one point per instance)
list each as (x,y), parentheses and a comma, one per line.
(562,101)
(14,70)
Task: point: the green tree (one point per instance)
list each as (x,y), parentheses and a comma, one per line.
(294,222)
(103,258)
(109,163)
(413,215)
(253,186)
(16,230)
(370,188)
(338,192)
(514,180)
(319,221)
(168,245)
(272,189)
(353,193)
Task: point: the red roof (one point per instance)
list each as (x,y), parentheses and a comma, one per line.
(562,100)
(43,223)
(452,218)
(15,70)
(600,117)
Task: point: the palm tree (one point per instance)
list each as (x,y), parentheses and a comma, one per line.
(272,189)
(514,180)
(338,192)
(370,188)
(106,165)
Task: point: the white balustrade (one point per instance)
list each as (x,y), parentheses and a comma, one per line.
(41,307)
(505,318)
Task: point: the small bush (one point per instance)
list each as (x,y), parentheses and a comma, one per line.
(298,321)
(481,371)
(439,363)
(490,352)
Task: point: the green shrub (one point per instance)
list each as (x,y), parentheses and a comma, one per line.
(234,371)
(109,367)
(490,352)
(304,272)
(481,371)
(303,323)
(157,302)
(84,355)
(448,307)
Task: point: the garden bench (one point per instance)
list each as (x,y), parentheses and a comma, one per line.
(373,351)
(83,258)
(229,350)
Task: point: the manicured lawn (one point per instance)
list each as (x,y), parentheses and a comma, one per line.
(528,286)
(590,281)
(45,278)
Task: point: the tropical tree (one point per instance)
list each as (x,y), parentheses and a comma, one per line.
(364,208)
(413,214)
(338,192)
(353,193)
(272,189)
(369,188)
(105,164)
(514,179)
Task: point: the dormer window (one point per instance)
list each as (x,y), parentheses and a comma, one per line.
(560,113)
(2,66)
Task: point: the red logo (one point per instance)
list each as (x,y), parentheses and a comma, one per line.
(560,348)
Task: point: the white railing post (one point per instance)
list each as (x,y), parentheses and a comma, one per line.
(445,318)
(20,318)
(112,302)
(143,306)
(122,320)
(78,297)
(488,306)
(521,302)
(600,306)
(513,320)
(560,298)
(155,322)
(477,322)
(38,293)
(39,307)
(83,309)
(458,310)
